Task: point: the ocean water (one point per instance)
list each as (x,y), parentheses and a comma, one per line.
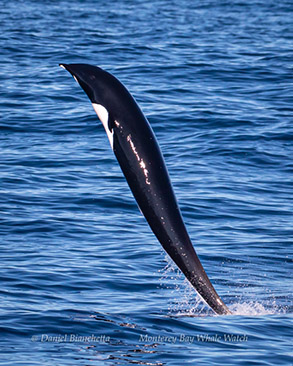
(83,279)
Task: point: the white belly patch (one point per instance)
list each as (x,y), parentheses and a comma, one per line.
(104,118)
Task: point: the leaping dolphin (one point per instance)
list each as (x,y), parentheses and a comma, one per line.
(137,151)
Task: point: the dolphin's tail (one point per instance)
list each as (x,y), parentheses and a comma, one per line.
(189,263)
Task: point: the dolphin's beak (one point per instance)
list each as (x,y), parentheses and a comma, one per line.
(64,66)
(69,68)
(83,77)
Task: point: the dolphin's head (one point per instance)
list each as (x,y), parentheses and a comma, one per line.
(101,87)
(97,83)
(108,95)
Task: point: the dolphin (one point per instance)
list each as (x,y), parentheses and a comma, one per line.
(138,153)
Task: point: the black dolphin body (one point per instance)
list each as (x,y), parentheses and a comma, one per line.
(138,153)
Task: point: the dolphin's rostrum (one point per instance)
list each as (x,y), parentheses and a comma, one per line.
(138,153)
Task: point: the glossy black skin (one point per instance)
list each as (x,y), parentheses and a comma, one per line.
(142,163)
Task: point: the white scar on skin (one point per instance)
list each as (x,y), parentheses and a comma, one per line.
(104,117)
(141,162)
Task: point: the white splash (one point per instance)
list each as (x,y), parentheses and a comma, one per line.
(187,302)
(252,309)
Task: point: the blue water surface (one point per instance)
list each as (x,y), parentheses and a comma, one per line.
(83,279)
